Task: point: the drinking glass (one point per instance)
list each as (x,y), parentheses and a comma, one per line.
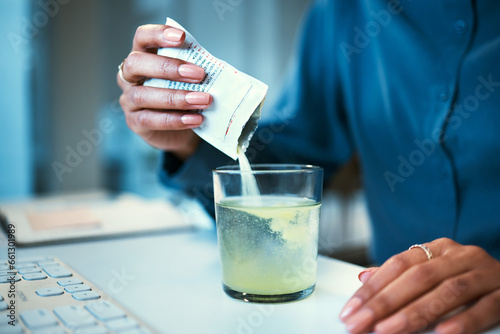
(267,229)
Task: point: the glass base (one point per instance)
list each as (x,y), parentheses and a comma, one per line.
(254,298)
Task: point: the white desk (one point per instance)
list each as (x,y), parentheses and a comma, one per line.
(172,281)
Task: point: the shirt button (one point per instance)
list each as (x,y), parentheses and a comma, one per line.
(460,27)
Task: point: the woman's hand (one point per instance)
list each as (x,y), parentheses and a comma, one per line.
(162,117)
(409,292)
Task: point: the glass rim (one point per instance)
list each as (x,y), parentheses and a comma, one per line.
(268,169)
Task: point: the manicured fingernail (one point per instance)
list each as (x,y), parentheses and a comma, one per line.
(450,328)
(364,275)
(173,35)
(192,119)
(197,98)
(360,321)
(191,72)
(394,324)
(349,308)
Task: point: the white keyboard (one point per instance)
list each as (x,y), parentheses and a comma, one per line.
(44,296)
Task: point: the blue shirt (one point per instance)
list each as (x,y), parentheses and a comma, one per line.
(413,89)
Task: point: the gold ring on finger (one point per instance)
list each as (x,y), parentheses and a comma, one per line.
(120,73)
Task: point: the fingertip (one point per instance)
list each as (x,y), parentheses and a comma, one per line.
(210,99)
(174,35)
(449,328)
(350,308)
(192,72)
(394,324)
(192,120)
(198,98)
(366,274)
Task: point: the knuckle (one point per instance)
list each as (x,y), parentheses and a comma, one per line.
(168,67)
(423,274)
(123,101)
(459,285)
(446,241)
(381,305)
(132,61)
(137,97)
(475,251)
(365,292)
(141,30)
(397,262)
(170,120)
(172,99)
(446,245)
(143,120)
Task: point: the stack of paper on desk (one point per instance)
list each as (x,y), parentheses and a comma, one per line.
(65,218)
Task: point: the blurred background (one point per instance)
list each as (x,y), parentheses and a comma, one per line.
(61,127)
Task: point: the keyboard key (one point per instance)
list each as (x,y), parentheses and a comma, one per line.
(34,276)
(86,295)
(28,271)
(50,330)
(49,292)
(89,313)
(24,265)
(104,310)
(8,279)
(34,319)
(25,262)
(45,264)
(69,281)
(57,271)
(91,330)
(77,288)
(35,259)
(74,316)
(122,324)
